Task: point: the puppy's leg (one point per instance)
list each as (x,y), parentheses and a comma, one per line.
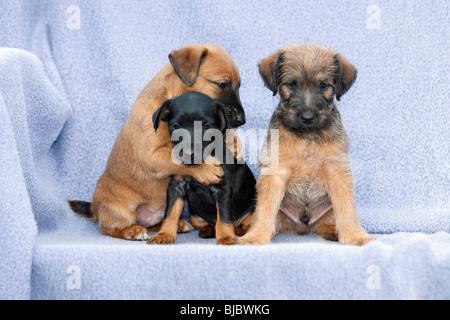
(245,226)
(224,227)
(119,221)
(174,209)
(183,227)
(168,232)
(207,231)
(326,226)
(341,191)
(271,190)
(115,218)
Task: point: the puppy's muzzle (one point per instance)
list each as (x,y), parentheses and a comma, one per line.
(240,119)
(307,117)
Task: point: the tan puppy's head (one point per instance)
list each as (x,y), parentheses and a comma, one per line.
(210,70)
(308,77)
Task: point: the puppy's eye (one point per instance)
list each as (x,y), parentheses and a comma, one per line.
(206,126)
(222,85)
(323,85)
(176,126)
(292,84)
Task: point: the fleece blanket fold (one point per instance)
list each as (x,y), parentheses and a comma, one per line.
(70,72)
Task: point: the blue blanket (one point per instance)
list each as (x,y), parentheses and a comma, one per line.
(70,72)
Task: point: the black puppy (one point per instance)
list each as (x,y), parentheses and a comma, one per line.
(202,123)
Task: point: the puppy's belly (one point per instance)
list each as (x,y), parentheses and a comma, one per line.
(304,217)
(305,202)
(150,216)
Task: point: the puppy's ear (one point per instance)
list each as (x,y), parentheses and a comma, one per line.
(187,61)
(224,119)
(269,69)
(162,114)
(346,75)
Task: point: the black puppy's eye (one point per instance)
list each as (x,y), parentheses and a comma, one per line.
(206,126)
(176,126)
(292,84)
(323,85)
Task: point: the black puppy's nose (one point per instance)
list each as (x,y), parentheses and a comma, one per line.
(240,119)
(307,117)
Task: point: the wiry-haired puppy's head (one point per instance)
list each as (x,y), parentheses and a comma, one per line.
(307,77)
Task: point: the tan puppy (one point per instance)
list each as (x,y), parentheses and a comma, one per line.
(306,179)
(131,194)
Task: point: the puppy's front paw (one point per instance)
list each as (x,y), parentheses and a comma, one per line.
(184,227)
(135,233)
(359,238)
(253,240)
(161,238)
(207,232)
(209,172)
(227,241)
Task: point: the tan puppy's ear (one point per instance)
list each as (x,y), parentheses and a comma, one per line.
(269,69)
(187,61)
(162,114)
(346,75)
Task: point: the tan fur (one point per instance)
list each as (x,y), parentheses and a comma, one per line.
(310,168)
(169,228)
(224,231)
(139,167)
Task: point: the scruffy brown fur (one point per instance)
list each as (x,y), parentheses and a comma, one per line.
(309,167)
(133,186)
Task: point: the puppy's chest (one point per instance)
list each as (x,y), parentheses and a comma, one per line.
(214,190)
(308,166)
(305,192)
(305,163)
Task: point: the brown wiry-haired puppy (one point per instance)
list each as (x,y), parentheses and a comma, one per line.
(306,178)
(131,194)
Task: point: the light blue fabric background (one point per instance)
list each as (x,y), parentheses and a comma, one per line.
(71,83)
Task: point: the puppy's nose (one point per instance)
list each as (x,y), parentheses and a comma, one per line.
(240,119)
(307,117)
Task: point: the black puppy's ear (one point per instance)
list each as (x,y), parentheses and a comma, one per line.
(224,119)
(270,70)
(187,61)
(346,75)
(162,114)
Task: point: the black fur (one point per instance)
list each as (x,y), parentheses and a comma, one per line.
(81,208)
(235,195)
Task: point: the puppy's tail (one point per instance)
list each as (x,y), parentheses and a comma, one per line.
(82,208)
